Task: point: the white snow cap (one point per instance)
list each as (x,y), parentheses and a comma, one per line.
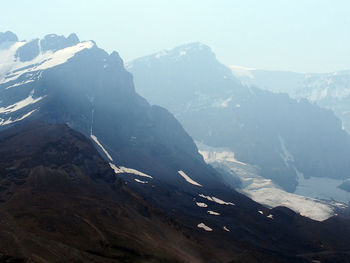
(11,68)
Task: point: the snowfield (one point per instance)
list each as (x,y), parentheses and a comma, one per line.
(12,68)
(264,191)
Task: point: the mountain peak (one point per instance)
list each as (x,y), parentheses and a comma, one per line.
(8,37)
(194,46)
(188,50)
(55,42)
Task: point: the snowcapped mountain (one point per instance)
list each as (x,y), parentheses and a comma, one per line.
(60,80)
(329,90)
(285,138)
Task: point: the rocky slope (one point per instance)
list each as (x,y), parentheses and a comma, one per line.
(59,197)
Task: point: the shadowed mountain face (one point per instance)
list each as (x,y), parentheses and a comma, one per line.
(60,198)
(284,137)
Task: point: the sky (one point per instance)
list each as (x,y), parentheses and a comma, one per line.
(293,35)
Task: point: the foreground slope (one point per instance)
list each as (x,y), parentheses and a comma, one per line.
(61,202)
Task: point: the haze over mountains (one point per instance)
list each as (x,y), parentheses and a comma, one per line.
(147,194)
(299,146)
(329,90)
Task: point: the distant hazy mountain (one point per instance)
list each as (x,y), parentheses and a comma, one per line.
(329,90)
(153,198)
(288,140)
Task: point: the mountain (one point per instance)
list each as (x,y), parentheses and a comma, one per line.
(329,90)
(151,198)
(59,197)
(288,140)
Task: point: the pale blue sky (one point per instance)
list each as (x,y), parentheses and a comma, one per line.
(297,35)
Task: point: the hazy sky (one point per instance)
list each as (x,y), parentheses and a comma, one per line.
(298,35)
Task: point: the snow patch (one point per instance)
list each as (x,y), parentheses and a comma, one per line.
(213,213)
(140,181)
(225,103)
(226,229)
(9,120)
(21,104)
(100,145)
(182,53)
(201,204)
(187,178)
(238,71)
(203,226)
(211,154)
(270,216)
(122,169)
(20,83)
(216,200)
